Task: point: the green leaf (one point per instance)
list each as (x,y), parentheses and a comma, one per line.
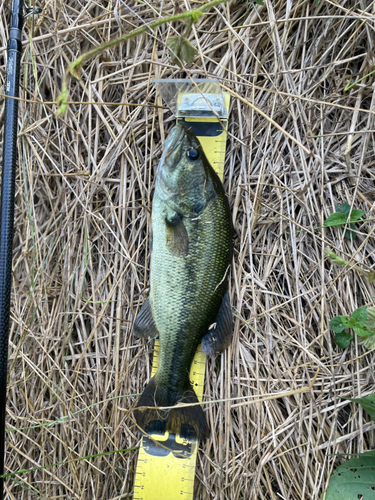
(336,219)
(351,323)
(356,215)
(343,339)
(346,322)
(350,234)
(181,50)
(259,2)
(343,208)
(338,323)
(360,314)
(353,479)
(367,403)
(362,331)
(340,217)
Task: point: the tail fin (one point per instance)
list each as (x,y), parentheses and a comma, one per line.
(158,395)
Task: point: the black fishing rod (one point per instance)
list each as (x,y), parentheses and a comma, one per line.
(8,178)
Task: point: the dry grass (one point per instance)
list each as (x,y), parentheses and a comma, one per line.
(81,245)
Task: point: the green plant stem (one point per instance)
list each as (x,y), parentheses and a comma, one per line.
(351,85)
(345,224)
(341,262)
(191,15)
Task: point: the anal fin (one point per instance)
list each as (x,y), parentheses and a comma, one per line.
(144,325)
(218,337)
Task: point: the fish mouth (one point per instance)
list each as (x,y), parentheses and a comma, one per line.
(175,137)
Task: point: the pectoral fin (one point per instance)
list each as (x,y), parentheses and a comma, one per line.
(219,335)
(176,236)
(144,325)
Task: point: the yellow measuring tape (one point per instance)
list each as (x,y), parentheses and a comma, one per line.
(166,462)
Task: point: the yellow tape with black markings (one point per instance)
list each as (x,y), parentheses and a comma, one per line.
(166,462)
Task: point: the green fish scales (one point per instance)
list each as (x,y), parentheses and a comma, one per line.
(189,299)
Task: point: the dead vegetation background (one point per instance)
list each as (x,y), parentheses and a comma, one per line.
(81,253)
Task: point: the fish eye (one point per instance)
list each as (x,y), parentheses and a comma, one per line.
(193,154)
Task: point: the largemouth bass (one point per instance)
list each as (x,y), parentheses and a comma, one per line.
(189,300)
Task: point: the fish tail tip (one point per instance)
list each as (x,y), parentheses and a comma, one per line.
(188,420)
